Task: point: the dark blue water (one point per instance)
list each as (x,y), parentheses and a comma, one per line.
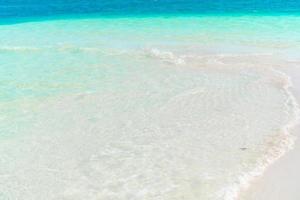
(40,8)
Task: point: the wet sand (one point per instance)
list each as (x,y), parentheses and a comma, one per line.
(281,180)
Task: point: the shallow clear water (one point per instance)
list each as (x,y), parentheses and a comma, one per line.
(143,108)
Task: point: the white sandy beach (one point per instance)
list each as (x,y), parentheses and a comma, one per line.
(281,180)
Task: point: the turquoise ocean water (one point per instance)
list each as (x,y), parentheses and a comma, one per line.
(143,100)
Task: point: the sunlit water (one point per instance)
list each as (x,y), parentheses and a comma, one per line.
(143,108)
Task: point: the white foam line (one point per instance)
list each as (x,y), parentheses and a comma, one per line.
(57,48)
(282,144)
(167,56)
(19,48)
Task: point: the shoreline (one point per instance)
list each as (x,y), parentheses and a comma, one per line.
(279,180)
(158,106)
